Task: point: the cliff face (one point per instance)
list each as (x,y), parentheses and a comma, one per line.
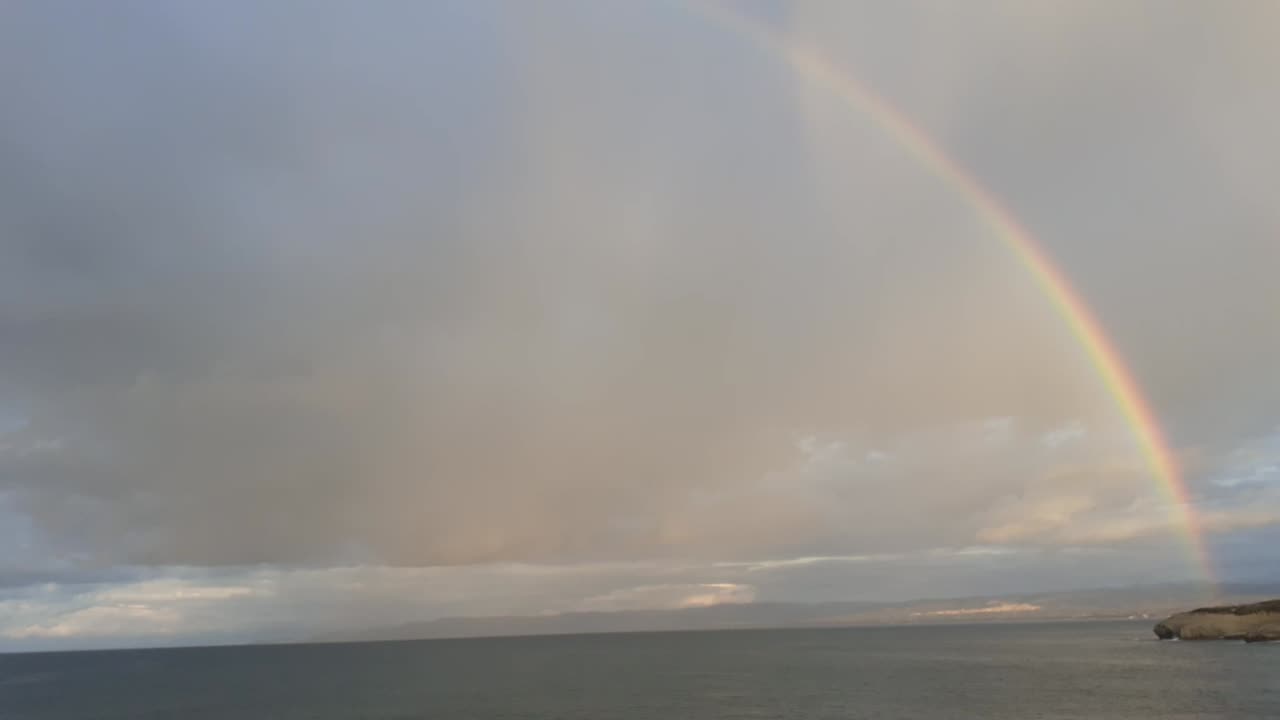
(1256,622)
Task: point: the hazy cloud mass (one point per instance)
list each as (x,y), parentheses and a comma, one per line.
(315,310)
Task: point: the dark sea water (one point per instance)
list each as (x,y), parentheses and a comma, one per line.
(994,672)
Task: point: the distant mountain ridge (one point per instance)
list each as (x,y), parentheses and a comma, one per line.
(1140,602)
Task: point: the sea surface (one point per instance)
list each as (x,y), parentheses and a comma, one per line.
(992,672)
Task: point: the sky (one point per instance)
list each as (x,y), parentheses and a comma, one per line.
(320,315)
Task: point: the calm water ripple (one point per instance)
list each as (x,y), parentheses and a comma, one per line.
(996,672)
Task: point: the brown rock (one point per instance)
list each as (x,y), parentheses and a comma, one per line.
(1227,622)
(1266,633)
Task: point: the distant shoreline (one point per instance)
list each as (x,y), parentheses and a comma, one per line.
(1141,604)
(601,633)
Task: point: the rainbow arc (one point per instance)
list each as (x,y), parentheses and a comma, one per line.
(1101,352)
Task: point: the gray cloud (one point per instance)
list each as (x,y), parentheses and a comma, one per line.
(1134,141)
(462,284)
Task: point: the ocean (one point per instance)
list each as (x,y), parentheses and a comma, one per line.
(992,672)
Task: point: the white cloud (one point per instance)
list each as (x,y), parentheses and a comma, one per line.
(176,591)
(994,608)
(765,565)
(1068,433)
(120,620)
(666,597)
(1254,463)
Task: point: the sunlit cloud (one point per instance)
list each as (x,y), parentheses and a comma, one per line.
(992,609)
(665,597)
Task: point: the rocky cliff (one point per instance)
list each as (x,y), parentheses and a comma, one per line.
(1256,622)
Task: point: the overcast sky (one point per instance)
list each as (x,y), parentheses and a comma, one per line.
(325,315)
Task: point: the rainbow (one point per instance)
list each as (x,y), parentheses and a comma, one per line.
(1102,354)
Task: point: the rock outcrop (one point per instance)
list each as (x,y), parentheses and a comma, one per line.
(1266,633)
(1256,622)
